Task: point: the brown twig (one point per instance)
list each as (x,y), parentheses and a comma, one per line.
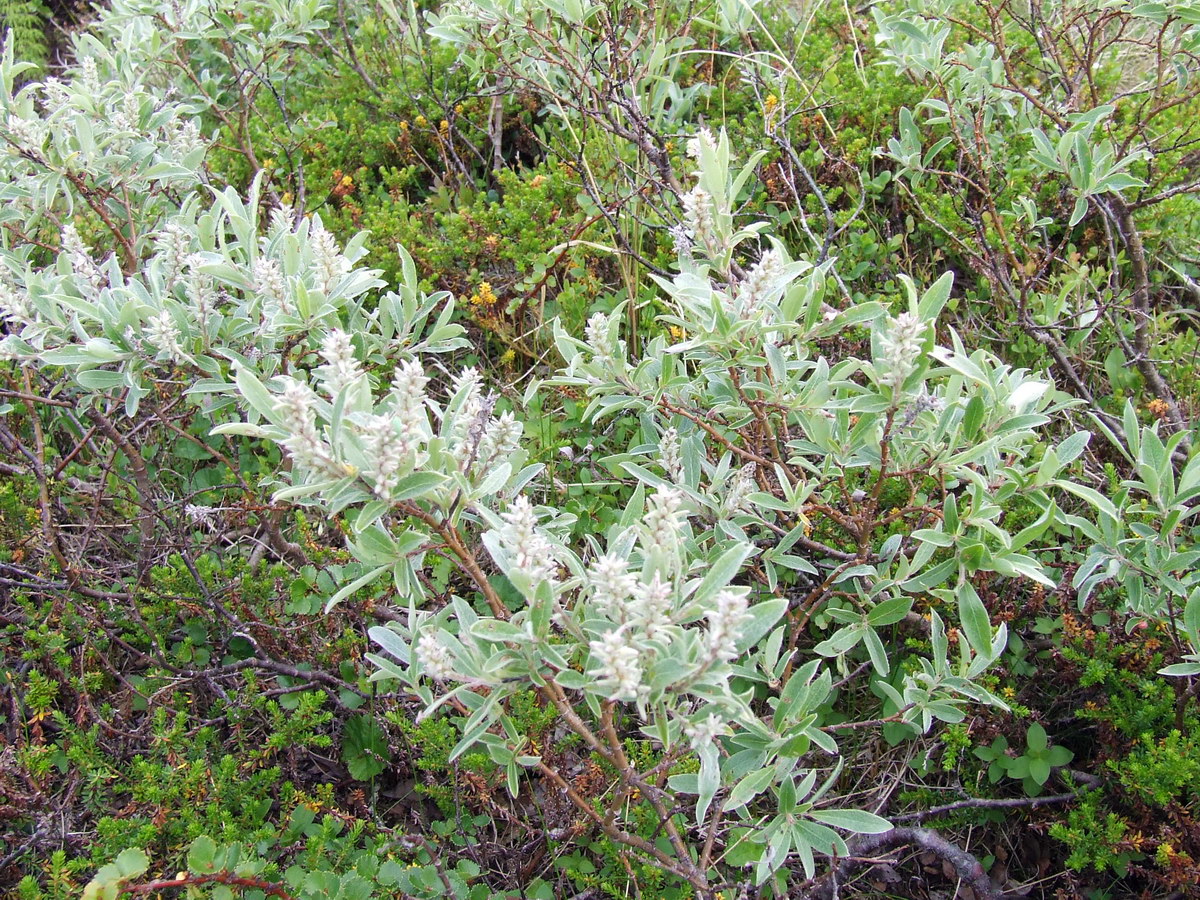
(966,865)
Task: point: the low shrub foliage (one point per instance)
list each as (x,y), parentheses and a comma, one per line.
(753,439)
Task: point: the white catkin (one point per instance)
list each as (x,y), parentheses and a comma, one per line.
(597,337)
(88,77)
(668,448)
(740,488)
(26,134)
(91,279)
(14,306)
(466,420)
(55,96)
(172,245)
(269,283)
(682,241)
(341,368)
(662,522)
(725,622)
(296,408)
(283,219)
(619,668)
(434,657)
(409,399)
(127,116)
(200,288)
(705,731)
(901,346)
(612,585)
(703,139)
(650,608)
(200,515)
(387,450)
(500,440)
(698,213)
(531,553)
(184,138)
(761,282)
(163,336)
(328,262)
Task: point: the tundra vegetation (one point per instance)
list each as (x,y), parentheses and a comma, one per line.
(581,448)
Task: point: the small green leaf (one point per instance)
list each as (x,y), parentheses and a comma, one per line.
(1060,756)
(889,612)
(761,619)
(750,787)
(722,571)
(976,623)
(201,854)
(364,748)
(572,680)
(418,484)
(934,299)
(1035,738)
(1179,670)
(1039,770)
(132,862)
(855,820)
(973,418)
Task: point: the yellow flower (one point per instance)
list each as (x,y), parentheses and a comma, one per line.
(420,121)
(1158,407)
(484,296)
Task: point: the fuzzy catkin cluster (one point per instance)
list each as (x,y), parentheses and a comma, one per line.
(668,449)
(760,284)
(434,658)
(624,598)
(500,440)
(741,486)
(14,307)
(532,553)
(328,262)
(663,521)
(91,279)
(162,333)
(296,407)
(725,621)
(699,216)
(388,449)
(612,585)
(341,368)
(268,282)
(172,245)
(901,345)
(619,665)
